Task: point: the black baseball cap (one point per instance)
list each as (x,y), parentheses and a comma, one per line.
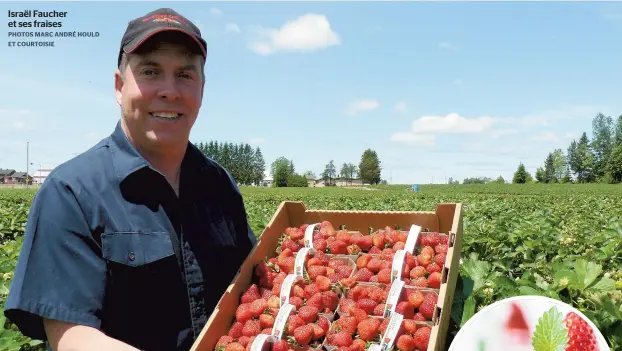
(158,21)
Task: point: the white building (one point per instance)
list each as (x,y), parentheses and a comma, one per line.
(40,175)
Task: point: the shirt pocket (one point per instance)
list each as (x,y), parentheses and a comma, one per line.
(136,249)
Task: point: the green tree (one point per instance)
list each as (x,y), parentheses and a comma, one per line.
(559,164)
(521,176)
(259,167)
(549,169)
(369,167)
(618,131)
(281,174)
(297,181)
(613,168)
(330,172)
(602,142)
(540,175)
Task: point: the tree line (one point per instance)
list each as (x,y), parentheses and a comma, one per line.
(369,170)
(245,164)
(585,160)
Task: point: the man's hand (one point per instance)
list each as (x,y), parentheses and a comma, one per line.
(73,337)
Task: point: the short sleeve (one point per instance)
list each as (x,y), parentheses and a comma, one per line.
(60,273)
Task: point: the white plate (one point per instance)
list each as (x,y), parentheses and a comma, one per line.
(487,326)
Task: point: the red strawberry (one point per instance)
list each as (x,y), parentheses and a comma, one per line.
(337,247)
(323,283)
(266,321)
(223,341)
(316,271)
(434,280)
(320,245)
(243,312)
(316,301)
(420,282)
(342,338)
(280,345)
(368,329)
(359,314)
(308,313)
(422,337)
(440,259)
(330,300)
(367,305)
(347,323)
(428,305)
(405,308)
(303,334)
(234,346)
(244,340)
(296,301)
(363,275)
(433,267)
(410,326)
(415,298)
(441,249)
(258,306)
(236,330)
(417,272)
(365,242)
(384,276)
(424,259)
(251,294)
(580,334)
(290,244)
(293,322)
(406,343)
(251,328)
(379,310)
(323,323)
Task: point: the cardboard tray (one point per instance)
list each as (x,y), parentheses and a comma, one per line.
(447,218)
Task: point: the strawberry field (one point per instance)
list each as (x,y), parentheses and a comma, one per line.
(560,241)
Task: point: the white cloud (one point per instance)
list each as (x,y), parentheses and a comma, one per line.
(257,140)
(400,107)
(215,12)
(413,138)
(452,123)
(360,106)
(307,33)
(232,28)
(447,46)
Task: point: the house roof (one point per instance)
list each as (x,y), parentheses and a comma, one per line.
(19,174)
(6,172)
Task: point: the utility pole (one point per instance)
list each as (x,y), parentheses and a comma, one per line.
(27,162)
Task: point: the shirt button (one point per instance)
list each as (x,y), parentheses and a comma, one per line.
(131,256)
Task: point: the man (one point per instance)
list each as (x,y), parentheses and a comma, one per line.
(130,245)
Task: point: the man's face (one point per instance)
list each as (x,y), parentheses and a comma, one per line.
(160,95)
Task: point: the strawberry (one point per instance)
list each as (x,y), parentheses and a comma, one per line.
(266,321)
(406,343)
(433,267)
(365,243)
(362,261)
(337,247)
(251,328)
(323,283)
(244,340)
(384,276)
(342,338)
(434,280)
(417,272)
(398,246)
(280,345)
(367,305)
(290,244)
(580,334)
(251,294)
(358,345)
(379,310)
(330,300)
(316,271)
(311,290)
(359,314)
(293,322)
(415,298)
(323,323)
(368,329)
(422,337)
(405,308)
(316,301)
(258,306)
(234,346)
(441,249)
(353,249)
(410,326)
(243,312)
(347,323)
(236,330)
(308,313)
(428,305)
(296,301)
(346,305)
(303,334)
(440,259)
(223,341)
(420,282)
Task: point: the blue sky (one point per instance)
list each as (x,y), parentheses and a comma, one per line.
(439,90)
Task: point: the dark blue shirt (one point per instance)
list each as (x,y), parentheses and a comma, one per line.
(108,244)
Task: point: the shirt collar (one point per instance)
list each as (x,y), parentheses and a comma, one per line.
(127,160)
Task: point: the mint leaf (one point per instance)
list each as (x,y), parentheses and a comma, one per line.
(550,334)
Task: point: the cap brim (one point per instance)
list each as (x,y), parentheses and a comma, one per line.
(141,39)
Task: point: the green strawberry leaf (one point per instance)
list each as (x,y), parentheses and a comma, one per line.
(550,333)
